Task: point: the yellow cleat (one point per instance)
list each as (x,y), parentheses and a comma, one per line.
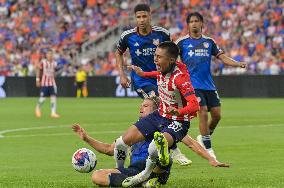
(163,151)
(151,183)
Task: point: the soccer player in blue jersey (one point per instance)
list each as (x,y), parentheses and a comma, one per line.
(142,42)
(196,51)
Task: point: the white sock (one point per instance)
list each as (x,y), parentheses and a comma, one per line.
(40,102)
(53,104)
(151,160)
(176,151)
(120,152)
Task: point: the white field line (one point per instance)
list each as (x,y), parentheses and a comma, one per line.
(103,132)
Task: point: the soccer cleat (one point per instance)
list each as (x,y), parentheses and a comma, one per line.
(151,183)
(181,159)
(37,112)
(133,180)
(54,115)
(163,151)
(199,140)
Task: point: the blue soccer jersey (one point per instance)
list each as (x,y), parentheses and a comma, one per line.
(142,50)
(139,151)
(197,54)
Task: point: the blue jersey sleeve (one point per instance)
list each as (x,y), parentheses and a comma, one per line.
(216,50)
(122,43)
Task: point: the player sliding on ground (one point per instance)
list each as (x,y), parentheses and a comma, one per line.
(139,153)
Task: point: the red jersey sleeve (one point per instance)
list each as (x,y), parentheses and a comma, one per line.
(150,74)
(184,86)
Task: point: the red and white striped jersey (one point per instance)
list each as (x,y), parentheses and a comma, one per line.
(48,73)
(173,87)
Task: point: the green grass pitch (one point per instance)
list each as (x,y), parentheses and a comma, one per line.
(37,152)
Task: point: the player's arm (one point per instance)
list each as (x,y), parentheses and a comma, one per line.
(124,81)
(141,73)
(219,53)
(122,46)
(197,148)
(184,86)
(231,62)
(101,147)
(39,72)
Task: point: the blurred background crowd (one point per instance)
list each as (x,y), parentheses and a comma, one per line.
(249,31)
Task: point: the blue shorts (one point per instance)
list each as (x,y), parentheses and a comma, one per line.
(209,98)
(134,168)
(147,89)
(48,91)
(155,122)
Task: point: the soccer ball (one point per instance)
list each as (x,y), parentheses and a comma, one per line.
(84,160)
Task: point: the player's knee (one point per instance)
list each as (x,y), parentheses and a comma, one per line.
(216,117)
(120,144)
(99,178)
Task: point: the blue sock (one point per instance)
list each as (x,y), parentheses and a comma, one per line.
(206,141)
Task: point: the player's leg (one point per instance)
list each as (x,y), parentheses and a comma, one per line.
(141,130)
(215,110)
(215,118)
(40,101)
(101,177)
(78,89)
(53,103)
(160,147)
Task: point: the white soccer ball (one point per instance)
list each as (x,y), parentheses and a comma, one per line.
(84,160)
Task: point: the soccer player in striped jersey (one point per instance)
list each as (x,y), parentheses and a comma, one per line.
(196,51)
(46,81)
(178,105)
(142,42)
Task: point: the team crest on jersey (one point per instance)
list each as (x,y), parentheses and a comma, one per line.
(156,42)
(205,44)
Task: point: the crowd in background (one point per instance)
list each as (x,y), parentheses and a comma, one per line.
(249,31)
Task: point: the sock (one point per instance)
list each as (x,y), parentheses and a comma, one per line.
(120,152)
(40,102)
(78,93)
(176,151)
(206,141)
(151,160)
(211,131)
(53,104)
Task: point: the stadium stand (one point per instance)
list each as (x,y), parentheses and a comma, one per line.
(250,31)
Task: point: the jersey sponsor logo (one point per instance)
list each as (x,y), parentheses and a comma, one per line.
(199,53)
(175,125)
(206,44)
(145,52)
(156,42)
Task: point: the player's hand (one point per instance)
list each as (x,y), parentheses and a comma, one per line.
(216,163)
(243,65)
(172,111)
(136,69)
(80,131)
(125,82)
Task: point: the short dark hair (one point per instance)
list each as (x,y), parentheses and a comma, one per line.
(171,47)
(196,14)
(142,7)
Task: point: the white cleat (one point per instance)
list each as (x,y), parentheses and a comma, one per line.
(181,159)
(210,150)
(134,180)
